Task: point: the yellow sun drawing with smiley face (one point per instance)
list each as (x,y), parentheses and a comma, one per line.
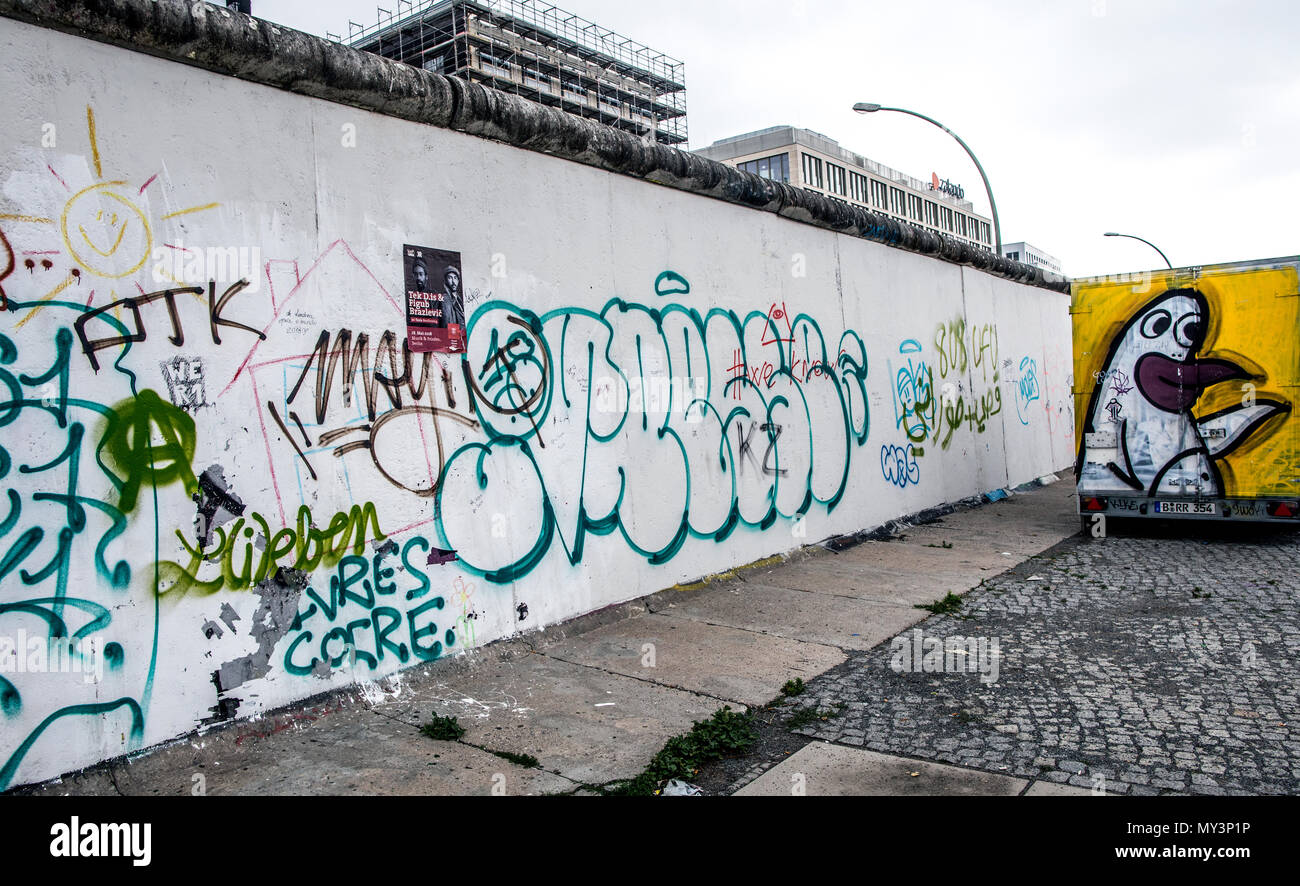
(95,225)
(105,231)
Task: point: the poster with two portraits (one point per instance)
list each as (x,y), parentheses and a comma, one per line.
(435,300)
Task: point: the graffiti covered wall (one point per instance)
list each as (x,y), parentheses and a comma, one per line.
(1186,382)
(233,479)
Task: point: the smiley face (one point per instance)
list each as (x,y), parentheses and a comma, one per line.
(105,232)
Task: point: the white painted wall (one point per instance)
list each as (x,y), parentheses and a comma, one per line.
(322,218)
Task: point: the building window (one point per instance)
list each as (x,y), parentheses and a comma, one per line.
(812,171)
(932,213)
(776,167)
(573,90)
(835,176)
(947,218)
(436,64)
(538,79)
(879,194)
(913,207)
(897,201)
(493,65)
(858,187)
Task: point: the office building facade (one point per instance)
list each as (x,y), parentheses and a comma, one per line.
(817,163)
(1031,255)
(542,53)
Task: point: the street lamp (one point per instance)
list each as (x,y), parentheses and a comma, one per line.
(1147,242)
(868,108)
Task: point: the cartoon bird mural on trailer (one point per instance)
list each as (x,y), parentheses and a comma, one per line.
(1140,434)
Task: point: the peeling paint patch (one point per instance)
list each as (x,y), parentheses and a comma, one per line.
(275,614)
(229,616)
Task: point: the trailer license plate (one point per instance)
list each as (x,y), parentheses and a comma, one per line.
(1207,508)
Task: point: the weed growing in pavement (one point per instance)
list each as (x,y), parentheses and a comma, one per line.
(805,716)
(793,687)
(727,733)
(443,729)
(448,729)
(528,761)
(802,717)
(948,605)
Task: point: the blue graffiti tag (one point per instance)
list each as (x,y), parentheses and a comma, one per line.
(898,465)
(1027,390)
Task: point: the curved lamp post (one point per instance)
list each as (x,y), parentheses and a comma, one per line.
(1147,242)
(868,108)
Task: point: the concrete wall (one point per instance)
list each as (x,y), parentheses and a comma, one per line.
(216,520)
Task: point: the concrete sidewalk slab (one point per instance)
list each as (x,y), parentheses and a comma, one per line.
(587,724)
(880,586)
(892,590)
(830,770)
(799,615)
(727,663)
(339,747)
(978,541)
(903,554)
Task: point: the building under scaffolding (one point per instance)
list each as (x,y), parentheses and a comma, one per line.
(541,53)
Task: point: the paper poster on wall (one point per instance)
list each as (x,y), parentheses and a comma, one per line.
(435,301)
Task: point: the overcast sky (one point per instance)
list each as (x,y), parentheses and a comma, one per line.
(1175,120)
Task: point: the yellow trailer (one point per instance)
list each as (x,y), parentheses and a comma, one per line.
(1186,383)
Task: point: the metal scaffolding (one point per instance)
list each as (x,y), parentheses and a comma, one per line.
(539,52)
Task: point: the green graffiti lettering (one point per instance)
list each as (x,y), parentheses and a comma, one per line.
(311,549)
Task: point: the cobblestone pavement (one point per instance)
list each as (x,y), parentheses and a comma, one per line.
(1158,661)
